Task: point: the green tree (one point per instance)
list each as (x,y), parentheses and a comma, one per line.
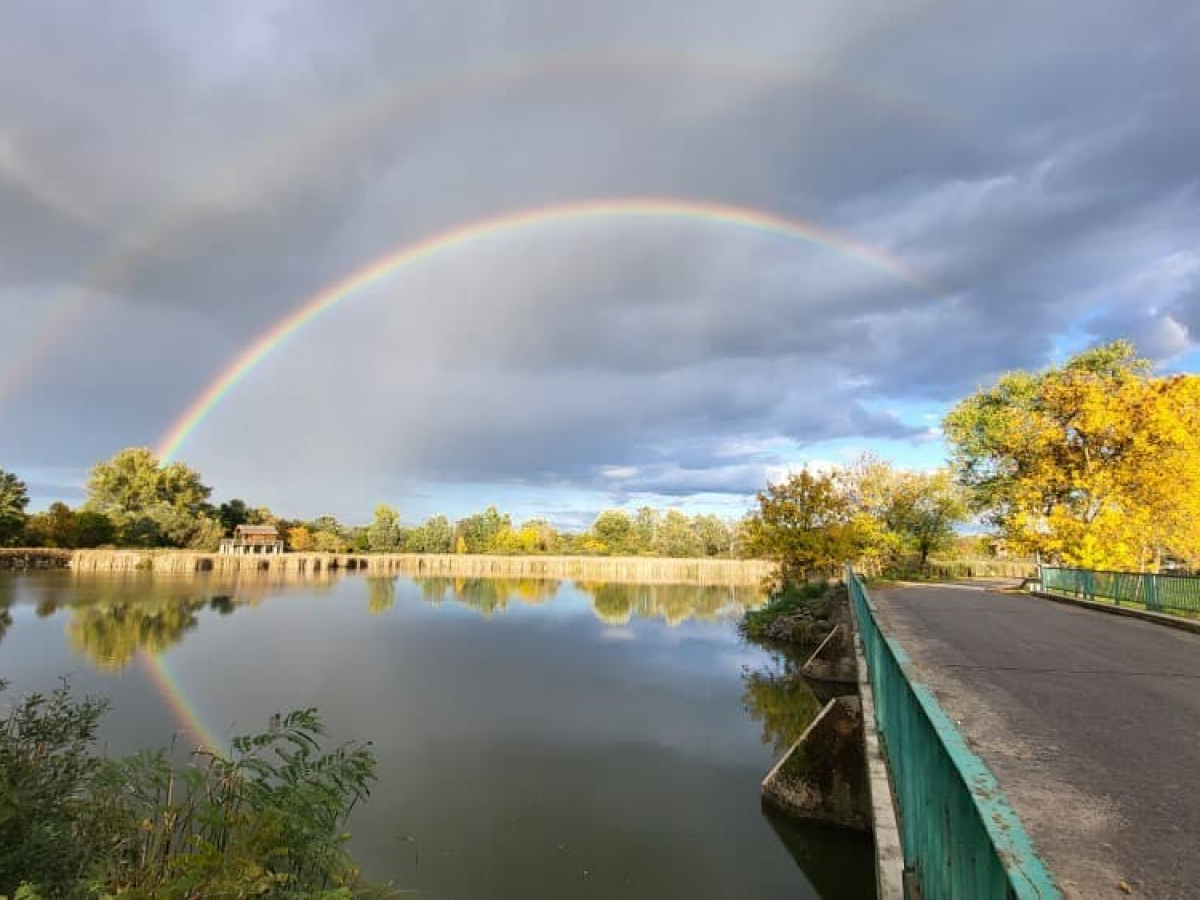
(479,531)
(150,504)
(383,534)
(328,535)
(806,524)
(713,535)
(261,515)
(329,542)
(359,538)
(233,514)
(14,498)
(56,527)
(613,529)
(901,513)
(676,537)
(646,522)
(924,509)
(93,529)
(435,535)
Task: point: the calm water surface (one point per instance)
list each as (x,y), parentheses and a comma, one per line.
(535,739)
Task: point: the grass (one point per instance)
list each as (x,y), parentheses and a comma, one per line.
(1128,604)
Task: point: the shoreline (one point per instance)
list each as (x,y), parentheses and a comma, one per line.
(626,569)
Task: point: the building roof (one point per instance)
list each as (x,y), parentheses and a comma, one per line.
(257,529)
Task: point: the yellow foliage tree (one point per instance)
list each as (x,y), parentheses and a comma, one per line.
(300,539)
(1095,463)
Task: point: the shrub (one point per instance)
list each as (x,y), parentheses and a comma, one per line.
(266,820)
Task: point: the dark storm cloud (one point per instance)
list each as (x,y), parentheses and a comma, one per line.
(193,173)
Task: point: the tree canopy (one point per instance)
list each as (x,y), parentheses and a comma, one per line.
(151,504)
(384,532)
(806,523)
(61,526)
(14,498)
(1095,463)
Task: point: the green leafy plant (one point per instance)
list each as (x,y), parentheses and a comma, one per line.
(266,820)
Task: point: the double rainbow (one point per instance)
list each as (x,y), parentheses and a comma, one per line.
(341,291)
(321,137)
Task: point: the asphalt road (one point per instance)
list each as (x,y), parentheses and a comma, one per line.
(1090,722)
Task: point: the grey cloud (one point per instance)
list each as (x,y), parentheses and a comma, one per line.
(201,171)
(1186,310)
(1156,335)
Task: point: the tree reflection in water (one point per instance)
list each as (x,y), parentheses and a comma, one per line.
(7,594)
(381,594)
(111,619)
(111,634)
(781,699)
(613,604)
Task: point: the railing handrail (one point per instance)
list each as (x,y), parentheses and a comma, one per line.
(983,852)
(1158,593)
(1129,572)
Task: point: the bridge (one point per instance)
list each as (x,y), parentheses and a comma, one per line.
(1090,724)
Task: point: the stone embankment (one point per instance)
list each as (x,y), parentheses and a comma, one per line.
(641,570)
(47,558)
(823,776)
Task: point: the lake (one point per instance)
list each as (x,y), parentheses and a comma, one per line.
(536,739)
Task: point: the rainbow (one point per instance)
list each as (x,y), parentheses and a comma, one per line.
(322,136)
(646,208)
(183,709)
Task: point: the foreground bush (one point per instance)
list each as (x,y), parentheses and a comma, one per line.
(265,821)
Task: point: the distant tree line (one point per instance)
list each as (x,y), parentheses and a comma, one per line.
(646,532)
(135,501)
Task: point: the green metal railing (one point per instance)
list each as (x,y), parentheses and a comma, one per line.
(1157,593)
(961,838)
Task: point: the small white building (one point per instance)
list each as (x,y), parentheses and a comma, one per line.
(253,540)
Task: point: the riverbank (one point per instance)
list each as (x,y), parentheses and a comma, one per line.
(35,558)
(619,569)
(801,616)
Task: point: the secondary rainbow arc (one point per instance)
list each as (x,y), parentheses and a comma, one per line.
(73,306)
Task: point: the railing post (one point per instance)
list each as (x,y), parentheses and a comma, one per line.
(1150,590)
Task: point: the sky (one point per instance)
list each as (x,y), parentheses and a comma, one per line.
(964,189)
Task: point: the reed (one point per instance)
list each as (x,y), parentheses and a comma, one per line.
(639,570)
